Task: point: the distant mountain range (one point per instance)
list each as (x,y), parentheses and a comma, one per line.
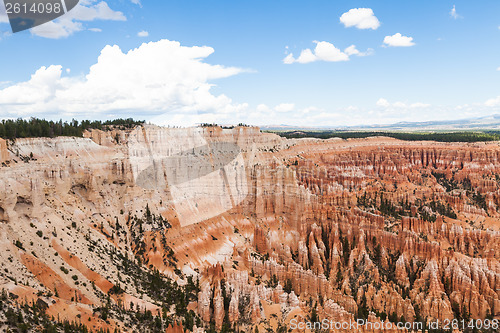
(491,122)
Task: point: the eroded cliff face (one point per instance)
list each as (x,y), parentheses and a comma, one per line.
(255,230)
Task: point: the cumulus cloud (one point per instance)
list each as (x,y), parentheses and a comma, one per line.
(398,40)
(156,78)
(71,22)
(361,18)
(306,56)
(453,13)
(324,51)
(143,33)
(352,50)
(383,102)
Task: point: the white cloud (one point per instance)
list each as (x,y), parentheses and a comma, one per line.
(263,108)
(386,112)
(498,69)
(361,18)
(325,51)
(289,59)
(399,105)
(493,102)
(287,113)
(71,22)
(453,13)
(57,29)
(306,56)
(95,29)
(99,11)
(136,2)
(309,110)
(280,108)
(352,50)
(398,40)
(143,33)
(156,78)
(284,107)
(41,86)
(384,103)
(328,52)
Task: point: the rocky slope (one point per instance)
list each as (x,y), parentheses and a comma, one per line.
(210,229)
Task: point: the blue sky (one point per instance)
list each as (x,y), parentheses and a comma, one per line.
(259,62)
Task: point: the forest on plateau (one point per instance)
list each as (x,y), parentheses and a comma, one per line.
(36,128)
(463,136)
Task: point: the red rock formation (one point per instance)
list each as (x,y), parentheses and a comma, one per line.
(348,227)
(175,328)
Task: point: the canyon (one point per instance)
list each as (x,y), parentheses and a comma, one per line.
(212,229)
